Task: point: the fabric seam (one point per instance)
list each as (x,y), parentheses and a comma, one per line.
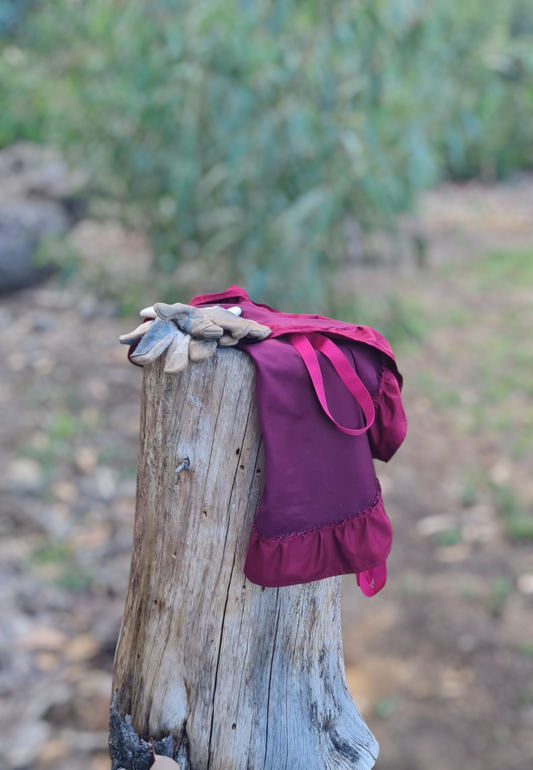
(364,512)
(379,387)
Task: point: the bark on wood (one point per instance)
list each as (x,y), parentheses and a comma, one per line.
(230,675)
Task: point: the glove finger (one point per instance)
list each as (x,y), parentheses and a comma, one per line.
(201,350)
(227,320)
(155,341)
(238,327)
(198,322)
(204,327)
(258,331)
(242,327)
(227,341)
(170,312)
(177,353)
(136,335)
(191,320)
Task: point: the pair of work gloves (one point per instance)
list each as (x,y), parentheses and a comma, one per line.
(188,333)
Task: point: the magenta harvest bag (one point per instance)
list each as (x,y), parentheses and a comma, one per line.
(328,396)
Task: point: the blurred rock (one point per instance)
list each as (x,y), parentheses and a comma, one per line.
(104,482)
(44,638)
(45,322)
(431,525)
(98,389)
(65,491)
(25,744)
(52,750)
(28,731)
(85,741)
(525,584)
(37,199)
(455,682)
(46,661)
(453,553)
(526,714)
(85,459)
(467,642)
(16,362)
(95,683)
(23,223)
(112,249)
(83,647)
(100,761)
(5,318)
(24,475)
(28,169)
(93,536)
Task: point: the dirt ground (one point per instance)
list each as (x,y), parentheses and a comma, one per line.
(441,662)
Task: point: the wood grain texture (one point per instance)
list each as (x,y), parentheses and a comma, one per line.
(247,678)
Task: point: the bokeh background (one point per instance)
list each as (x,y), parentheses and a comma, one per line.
(367,159)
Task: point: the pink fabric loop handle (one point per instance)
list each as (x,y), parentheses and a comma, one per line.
(372,580)
(307,345)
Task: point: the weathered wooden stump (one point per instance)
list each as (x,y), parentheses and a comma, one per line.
(225,674)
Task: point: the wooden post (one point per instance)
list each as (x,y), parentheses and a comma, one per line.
(224,674)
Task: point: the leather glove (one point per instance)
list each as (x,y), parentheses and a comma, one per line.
(188,333)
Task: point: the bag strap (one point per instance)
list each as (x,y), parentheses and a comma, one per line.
(372,580)
(307,345)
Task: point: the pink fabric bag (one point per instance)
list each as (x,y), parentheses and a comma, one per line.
(329,401)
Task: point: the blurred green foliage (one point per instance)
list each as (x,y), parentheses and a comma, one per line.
(500,589)
(403,320)
(526,648)
(258,141)
(494,398)
(449,537)
(517,520)
(385,708)
(70,576)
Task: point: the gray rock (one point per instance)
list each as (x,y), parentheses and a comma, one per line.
(24,475)
(37,200)
(28,169)
(23,223)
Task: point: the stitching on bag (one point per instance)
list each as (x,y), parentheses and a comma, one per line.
(329,525)
(381,377)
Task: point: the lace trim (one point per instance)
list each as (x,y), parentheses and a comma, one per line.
(329,525)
